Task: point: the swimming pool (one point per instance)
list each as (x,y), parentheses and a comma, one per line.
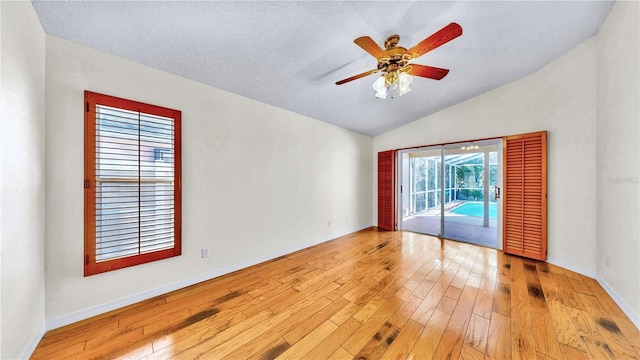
(475,208)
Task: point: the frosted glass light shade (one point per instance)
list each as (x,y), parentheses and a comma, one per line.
(404,80)
(380,88)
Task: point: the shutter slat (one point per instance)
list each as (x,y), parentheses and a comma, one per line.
(107,247)
(134,225)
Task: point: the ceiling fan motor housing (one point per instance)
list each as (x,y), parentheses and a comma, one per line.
(397,55)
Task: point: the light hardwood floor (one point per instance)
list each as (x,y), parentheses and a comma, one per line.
(368,295)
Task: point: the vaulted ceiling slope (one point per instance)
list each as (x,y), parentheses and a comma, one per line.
(290,54)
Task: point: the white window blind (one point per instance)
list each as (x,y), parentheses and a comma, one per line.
(134,183)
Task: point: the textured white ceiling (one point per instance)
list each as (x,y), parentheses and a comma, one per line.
(290,54)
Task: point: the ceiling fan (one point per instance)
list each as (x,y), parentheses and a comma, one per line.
(394,64)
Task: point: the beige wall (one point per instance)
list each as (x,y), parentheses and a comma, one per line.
(21,179)
(258,181)
(618,153)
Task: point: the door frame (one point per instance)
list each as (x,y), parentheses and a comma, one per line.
(498,142)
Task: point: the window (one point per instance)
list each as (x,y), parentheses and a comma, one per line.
(132,183)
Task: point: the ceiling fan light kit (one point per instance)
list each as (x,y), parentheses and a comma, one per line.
(394,64)
(389,83)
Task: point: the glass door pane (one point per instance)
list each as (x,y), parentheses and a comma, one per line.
(421,180)
(471,208)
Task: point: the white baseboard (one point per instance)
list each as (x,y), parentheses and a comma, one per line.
(33,342)
(132,299)
(586,272)
(628,310)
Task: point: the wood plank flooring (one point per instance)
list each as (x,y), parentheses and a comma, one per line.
(369,295)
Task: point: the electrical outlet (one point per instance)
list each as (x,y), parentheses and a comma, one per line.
(329,223)
(205,252)
(607,261)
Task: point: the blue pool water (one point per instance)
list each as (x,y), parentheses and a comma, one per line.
(476,209)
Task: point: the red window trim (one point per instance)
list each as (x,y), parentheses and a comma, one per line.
(91,267)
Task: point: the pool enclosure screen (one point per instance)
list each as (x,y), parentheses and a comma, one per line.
(463,180)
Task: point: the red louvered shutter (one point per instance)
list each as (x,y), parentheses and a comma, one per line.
(386,198)
(525,195)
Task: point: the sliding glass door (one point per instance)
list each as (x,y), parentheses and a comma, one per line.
(421,191)
(452,191)
(472,214)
